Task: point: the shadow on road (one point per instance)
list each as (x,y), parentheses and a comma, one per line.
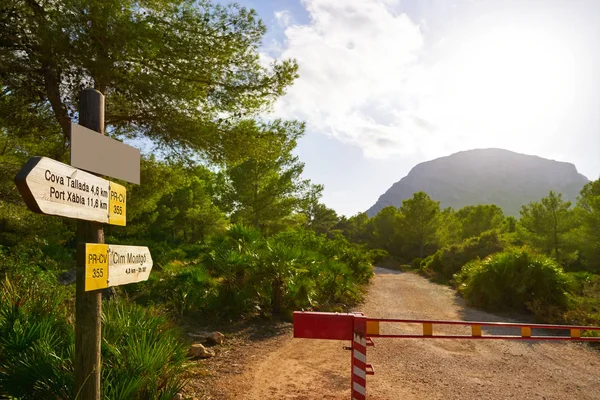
(381,271)
(253,329)
(468,313)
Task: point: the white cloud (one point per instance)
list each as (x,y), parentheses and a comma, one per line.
(355,58)
(284,18)
(369,77)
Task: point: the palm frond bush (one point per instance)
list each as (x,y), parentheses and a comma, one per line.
(514,280)
(141,353)
(36,340)
(241,273)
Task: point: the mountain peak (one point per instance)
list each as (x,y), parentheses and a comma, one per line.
(485,176)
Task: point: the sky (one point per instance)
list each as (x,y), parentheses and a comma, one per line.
(386,84)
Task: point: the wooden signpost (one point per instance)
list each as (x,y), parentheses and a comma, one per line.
(53,188)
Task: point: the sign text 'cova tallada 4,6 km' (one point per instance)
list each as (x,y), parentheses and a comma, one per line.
(51,187)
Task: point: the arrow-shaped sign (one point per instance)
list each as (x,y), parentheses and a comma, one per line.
(109,265)
(51,187)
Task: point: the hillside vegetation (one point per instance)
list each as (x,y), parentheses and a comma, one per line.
(485,176)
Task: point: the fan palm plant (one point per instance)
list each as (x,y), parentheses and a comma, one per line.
(281,265)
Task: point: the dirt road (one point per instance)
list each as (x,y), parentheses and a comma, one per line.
(287,368)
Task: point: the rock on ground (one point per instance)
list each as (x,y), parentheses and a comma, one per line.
(197,350)
(216,338)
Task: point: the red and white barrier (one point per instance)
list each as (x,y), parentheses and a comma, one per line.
(359,358)
(359,330)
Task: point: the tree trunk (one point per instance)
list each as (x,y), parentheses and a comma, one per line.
(51,72)
(277,296)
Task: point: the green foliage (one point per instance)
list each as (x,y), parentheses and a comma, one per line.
(266,187)
(547,224)
(242,273)
(141,352)
(233,260)
(419,225)
(378,255)
(319,218)
(178,287)
(338,268)
(357,229)
(170,70)
(448,228)
(474,220)
(588,215)
(585,306)
(36,340)
(450,259)
(509,225)
(386,230)
(514,280)
(173,205)
(34,259)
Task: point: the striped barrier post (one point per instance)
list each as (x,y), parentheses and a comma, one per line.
(359,358)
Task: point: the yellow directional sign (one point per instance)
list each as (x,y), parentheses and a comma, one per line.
(109,265)
(117,203)
(96,266)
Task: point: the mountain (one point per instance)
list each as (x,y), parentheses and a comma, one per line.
(485,176)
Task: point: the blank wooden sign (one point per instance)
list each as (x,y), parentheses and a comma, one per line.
(102,155)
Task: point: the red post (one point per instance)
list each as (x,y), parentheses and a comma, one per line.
(359,359)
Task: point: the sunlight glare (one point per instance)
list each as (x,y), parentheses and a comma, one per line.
(511,81)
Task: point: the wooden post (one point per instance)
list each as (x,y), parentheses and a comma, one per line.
(88,305)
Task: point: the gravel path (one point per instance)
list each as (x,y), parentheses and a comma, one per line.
(288,368)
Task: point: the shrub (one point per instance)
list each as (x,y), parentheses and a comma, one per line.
(34,259)
(378,255)
(178,287)
(142,356)
(36,341)
(450,259)
(241,273)
(329,272)
(416,263)
(585,307)
(514,280)
(357,260)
